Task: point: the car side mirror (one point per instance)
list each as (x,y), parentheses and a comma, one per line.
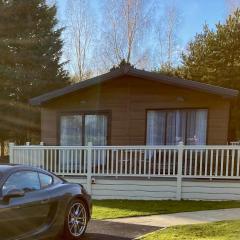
(14,193)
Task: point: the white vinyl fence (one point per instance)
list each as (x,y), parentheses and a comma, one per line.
(150,171)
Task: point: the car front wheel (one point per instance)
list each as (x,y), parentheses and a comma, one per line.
(76,220)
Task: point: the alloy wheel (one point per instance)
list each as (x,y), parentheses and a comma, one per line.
(77,219)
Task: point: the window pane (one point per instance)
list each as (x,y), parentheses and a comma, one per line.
(45,180)
(24,180)
(96,129)
(156,125)
(172,126)
(181,117)
(191,126)
(71,130)
(197,127)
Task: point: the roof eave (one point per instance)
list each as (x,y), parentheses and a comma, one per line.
(194,85)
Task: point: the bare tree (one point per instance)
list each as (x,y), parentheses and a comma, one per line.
(232,5)
(125,27)
(80,29)
(167,40)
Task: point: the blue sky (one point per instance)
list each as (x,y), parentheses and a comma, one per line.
(194,14)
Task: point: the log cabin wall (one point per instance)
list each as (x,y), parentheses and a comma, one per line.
(127,100)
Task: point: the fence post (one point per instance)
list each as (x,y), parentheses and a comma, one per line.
(89,168)
(180,170)
(11,145)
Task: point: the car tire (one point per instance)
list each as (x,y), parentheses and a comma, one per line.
(76,220)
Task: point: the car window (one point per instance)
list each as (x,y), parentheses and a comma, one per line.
(45,180)
(27,181)
(58,179)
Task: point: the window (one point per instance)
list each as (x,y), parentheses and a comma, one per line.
(80,129)
(71,130)
(27,181)
(169,127)
(96,129)
(45,180)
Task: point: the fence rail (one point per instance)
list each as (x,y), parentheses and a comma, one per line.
(180,161)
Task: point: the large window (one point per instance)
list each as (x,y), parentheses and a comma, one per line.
(169,127)
(79,129)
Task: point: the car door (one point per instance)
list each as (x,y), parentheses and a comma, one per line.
(23,215)
(47,185)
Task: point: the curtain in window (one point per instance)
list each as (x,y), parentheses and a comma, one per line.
(181,117)
(71,130)
(173,126)
(197,127)
(156,121)
(96,132)
(96,129)
(191,127)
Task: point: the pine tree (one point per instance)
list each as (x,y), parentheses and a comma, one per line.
(30,63)
(214,57)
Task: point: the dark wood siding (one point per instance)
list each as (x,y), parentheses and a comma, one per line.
(127,99)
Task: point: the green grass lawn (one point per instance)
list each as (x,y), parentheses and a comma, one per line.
(105,209)
(227,230)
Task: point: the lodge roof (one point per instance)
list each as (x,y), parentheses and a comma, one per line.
(128,70)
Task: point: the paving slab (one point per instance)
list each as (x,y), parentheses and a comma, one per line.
(185,218)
